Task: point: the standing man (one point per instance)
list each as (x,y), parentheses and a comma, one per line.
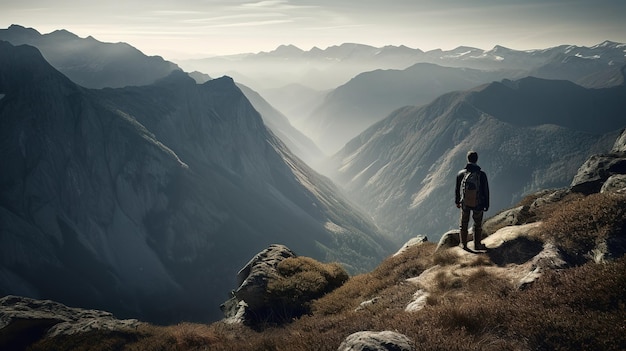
(472,195)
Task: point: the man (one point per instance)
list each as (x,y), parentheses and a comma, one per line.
(472,195)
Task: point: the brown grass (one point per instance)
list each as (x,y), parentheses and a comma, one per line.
(578,226)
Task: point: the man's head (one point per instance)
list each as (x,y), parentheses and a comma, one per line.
(472,157)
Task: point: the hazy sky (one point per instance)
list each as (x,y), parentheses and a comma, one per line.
(185,28)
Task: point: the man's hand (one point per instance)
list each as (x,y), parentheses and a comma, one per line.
(458,205)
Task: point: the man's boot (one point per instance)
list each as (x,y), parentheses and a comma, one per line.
(478,235)
(464,238)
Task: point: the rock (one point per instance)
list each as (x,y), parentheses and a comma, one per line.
(620,143)
(24,320)
(596,170)
(615,183)
(506,218)
(452,238)
(418,240)
(376,341)
(418,301)
(365,304)
(252,280)
(548,197)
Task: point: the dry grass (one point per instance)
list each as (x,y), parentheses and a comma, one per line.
(579,226)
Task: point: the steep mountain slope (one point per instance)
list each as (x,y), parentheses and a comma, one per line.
(369,97)
(530,134)
(89,62)
(296,141)
(144,201)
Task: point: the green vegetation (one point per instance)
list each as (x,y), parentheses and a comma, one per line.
(582,307)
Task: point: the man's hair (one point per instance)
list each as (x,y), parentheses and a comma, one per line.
(472,156)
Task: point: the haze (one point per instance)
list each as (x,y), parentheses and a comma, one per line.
(190,29)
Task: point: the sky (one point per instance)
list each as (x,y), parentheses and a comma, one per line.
(183,29)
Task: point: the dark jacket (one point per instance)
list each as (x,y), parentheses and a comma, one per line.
(483,195)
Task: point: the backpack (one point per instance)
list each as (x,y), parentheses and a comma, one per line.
(469,189)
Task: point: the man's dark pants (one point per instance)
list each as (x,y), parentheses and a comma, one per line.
(477,216)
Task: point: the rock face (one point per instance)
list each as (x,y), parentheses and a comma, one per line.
(24,320)
(252,282)
(598,169)
(376,341)
(145,201)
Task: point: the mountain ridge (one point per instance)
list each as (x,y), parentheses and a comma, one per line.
(144,198)
(401,169)
(89,62)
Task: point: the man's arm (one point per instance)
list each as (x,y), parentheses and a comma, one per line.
(485,190)
(457,189)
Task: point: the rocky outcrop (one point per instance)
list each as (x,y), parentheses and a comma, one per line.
(514,253)
(598,169)
(418,240)
(252,280)
(376,341)
(24,321)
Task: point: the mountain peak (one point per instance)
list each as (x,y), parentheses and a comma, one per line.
(63,34)
(21,33)
(607,44)
(287,50)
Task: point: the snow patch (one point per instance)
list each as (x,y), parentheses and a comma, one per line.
(594,57)
(458,55)
(334,228)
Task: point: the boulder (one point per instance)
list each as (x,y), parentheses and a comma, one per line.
(376,341)
(505,218)
(24,321)
(452,238)
(620,143)
(596,170)
(252,282)
(615,183)
(548,197)
(418,240)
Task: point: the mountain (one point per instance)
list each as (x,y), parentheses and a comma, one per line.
(89,62)
(318,69)
(296,141)
(123,65)
(530,134)
(144,201)
(371,82)
(323,69)
(369,97)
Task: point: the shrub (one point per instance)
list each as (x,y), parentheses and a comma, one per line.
(387,276)
(581,225)
(300,280)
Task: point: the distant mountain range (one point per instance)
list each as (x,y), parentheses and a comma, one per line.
(89,62)
(368,83)
(328,68)
(530,134)
(145,201)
